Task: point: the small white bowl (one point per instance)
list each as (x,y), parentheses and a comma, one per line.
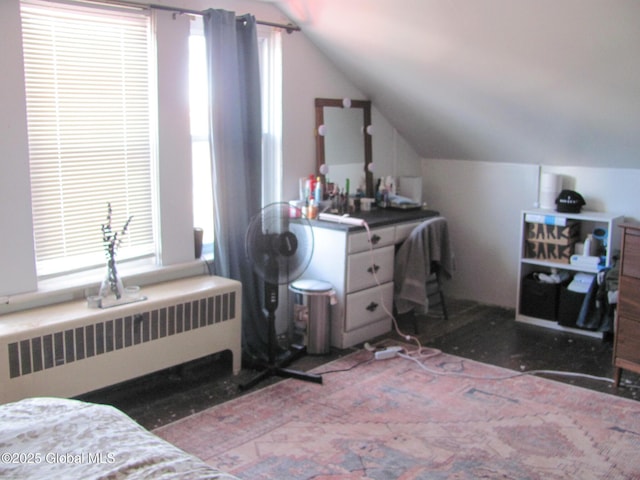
(132,292)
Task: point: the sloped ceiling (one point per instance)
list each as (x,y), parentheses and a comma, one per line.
(552,82)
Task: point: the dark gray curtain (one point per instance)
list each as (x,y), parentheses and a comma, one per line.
(236,139)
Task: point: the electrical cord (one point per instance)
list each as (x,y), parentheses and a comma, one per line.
(421,353)
(419,362)
(410,338)
(355,365)
(506,376)
(478,377)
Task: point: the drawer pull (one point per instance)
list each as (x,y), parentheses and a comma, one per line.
(373,269)
(372,307)
(375,239)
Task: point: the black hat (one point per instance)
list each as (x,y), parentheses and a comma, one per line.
(569,202)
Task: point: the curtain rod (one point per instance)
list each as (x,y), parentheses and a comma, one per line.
(134,4)
(289,27)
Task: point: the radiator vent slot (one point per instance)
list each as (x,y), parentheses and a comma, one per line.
(76,344)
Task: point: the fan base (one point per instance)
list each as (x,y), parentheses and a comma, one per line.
(280,370)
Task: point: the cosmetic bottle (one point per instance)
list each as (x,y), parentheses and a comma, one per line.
(318,192)
(587,245)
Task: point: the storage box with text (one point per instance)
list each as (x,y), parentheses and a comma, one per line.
(559,235)
(549,252)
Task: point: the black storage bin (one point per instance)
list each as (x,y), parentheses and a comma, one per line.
(539,299)
(569,306)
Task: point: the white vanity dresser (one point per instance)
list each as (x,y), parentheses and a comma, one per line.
(343,257)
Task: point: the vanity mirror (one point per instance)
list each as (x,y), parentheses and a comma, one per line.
(343,142)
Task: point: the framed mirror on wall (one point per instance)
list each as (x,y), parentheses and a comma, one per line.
(343,143)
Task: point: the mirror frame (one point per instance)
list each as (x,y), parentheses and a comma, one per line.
(365,105)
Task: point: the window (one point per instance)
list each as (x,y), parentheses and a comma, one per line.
(200,147)
(270,50)
(89,113)
(270,45)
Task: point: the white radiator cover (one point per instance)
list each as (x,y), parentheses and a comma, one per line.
(68,349)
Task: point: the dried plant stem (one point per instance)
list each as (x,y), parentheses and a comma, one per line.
(111,243)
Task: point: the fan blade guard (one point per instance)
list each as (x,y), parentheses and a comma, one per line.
(275,236)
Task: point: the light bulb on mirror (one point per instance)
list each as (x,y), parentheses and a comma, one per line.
(368,130)
(324,169)
(322,130)
(371,167)
(346,102)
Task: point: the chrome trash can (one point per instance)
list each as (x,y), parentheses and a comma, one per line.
(312,315)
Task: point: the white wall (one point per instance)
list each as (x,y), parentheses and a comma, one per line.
(174,140)
(392,155)
(308,75)
(483,200)
(549,82)
(523,81)
(17,265)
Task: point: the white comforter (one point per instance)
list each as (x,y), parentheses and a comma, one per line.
(42,438)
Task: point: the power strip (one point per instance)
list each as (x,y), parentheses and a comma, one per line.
(387,352)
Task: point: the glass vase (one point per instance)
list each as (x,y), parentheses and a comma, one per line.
(111,287)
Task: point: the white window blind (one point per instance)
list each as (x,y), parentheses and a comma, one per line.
(87,77)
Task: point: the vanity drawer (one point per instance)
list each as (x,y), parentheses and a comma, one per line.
(361,268)
(380,237)
(366,307)
(403,230)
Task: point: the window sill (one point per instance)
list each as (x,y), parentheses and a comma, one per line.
(80,285)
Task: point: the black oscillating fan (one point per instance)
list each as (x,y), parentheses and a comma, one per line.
(279,244)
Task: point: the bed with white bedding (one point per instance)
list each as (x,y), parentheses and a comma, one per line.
(60,438)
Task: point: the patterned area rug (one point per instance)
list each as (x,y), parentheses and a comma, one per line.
(393,419)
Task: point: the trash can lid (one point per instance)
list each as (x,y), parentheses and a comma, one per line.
(311,286)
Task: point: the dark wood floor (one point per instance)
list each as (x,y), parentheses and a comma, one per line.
(484,333)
